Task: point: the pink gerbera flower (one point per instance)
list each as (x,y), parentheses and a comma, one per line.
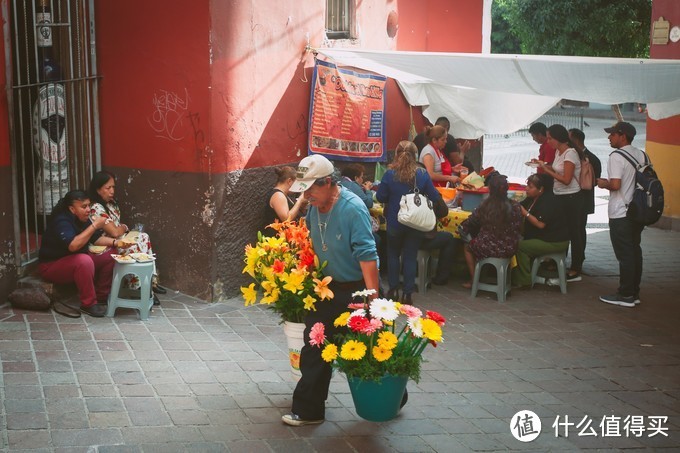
(373,325)
(410,311)
(316,335)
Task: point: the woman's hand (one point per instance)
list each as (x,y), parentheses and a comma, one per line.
(453,179)
(124,243)
(368,185)
(99,222)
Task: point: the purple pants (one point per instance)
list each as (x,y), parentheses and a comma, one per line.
(91,273)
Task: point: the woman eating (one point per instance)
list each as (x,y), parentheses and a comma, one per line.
(494,227)
(545,228)
(102,194)
(279,205)
(403,241)
(566,169)
(434,160)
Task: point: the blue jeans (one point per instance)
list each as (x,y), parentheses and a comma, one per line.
(446,244)
(626,236)
(403,243)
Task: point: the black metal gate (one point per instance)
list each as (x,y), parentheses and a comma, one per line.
(53,110)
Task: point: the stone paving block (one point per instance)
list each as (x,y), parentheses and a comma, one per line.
(151,417)
(98,391)
(114,356)
(199,390)
(227,417)
(28,439)
(220,433)
(128,377)
(119,449)
(13,406)
(135,390)
(124,366)
(143,404)
(217,402)
(273,430)
(86,377)
(21,378)
(19,392)
(98,366)
(254,400)
(188,417)
(108,419)
(60,405)
(69,420)
(369,444)
(104,404)
(26,420)
(171,390)
(85,437)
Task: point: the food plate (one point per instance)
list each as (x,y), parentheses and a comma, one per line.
(97,249)
(123,259)
(531,164)
(142,257)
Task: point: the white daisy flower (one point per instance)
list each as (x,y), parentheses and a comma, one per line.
(416,325)
(384,309)
(360,312)
(363,293)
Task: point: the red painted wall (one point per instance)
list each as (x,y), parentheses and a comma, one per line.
(154,57)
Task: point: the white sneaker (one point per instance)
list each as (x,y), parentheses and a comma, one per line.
(295,420)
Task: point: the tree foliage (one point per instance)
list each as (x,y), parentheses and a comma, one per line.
(502,38)
(600,28)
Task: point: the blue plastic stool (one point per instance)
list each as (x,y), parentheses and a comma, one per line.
(502,286)
(560,260)
(144,271)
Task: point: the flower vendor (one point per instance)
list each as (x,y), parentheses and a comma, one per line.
(340,228)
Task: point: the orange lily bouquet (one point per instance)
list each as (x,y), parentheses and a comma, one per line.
(288,276)
(370,345)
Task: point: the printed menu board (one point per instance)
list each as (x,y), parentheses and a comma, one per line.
(347,114)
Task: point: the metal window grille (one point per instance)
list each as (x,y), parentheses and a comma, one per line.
(54,123)
(338,19)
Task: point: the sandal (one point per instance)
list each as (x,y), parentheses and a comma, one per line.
(467,285)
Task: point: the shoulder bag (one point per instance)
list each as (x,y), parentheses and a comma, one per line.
(416,211)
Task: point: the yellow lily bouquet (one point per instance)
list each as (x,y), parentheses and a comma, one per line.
(371,346)
(288,276)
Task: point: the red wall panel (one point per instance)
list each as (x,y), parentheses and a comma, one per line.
(154,58)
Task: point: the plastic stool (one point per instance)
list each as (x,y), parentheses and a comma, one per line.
(560,261)
(423,258)
(144,271)
(502,286)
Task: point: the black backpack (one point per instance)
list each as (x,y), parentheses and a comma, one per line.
(646,206)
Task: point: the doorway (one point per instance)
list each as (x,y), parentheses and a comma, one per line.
(54,124)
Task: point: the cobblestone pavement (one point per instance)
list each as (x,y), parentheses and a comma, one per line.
(214,377)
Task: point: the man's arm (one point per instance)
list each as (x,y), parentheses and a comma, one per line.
(611,185)
(369,269)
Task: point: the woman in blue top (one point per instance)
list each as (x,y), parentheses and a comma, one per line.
(403,241)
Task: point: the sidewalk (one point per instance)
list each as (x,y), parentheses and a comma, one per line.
(201,377)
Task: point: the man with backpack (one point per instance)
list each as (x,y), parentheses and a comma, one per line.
(624,232)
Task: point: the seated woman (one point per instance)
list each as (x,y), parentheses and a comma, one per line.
(279,205)
(64,256)
(403,241)
(545,227)
(494,227)
(353,179)
(102,194)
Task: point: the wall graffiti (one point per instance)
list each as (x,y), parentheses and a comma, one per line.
(299,128)
(170,109)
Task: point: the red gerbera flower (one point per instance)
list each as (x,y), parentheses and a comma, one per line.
(358,323)
(436,317)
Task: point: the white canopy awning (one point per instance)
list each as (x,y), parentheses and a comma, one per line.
(494,93)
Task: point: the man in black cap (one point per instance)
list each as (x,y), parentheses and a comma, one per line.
(624,233)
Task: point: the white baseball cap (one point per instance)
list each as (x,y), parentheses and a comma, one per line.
(309,170)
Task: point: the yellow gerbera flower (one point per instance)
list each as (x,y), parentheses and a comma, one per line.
(353,350)
(381,354)
(249,294)
(329,353)
(431,330)
(342,319)
(322,289)
(309,302)
(387,340)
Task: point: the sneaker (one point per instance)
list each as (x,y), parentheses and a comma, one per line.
(636,300)
(574,277)
(96,310)
(295,420)
(617,299)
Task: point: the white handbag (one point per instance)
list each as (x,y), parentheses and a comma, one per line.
(416,211)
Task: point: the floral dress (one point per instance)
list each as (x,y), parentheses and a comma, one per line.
(497,242)
(142,241)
